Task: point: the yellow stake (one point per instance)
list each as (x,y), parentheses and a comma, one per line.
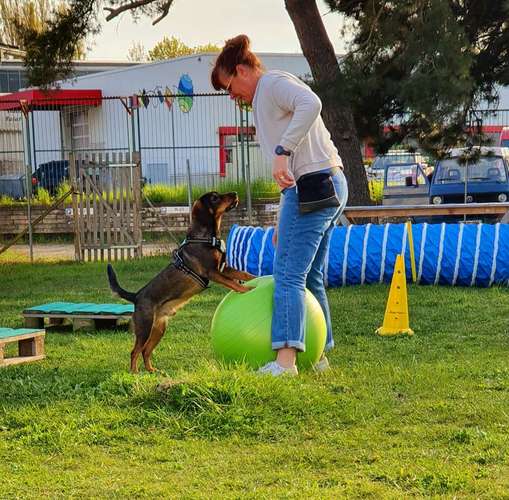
(412,253)
(396,321)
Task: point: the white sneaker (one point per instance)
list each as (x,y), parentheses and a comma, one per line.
(275,369)
(322,366)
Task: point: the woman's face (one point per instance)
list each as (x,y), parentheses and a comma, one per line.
(242,84)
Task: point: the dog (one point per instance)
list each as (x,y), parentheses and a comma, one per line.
(200,258)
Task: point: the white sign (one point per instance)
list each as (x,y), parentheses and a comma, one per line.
(174,210)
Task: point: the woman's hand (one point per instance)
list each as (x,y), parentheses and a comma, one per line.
(280,172)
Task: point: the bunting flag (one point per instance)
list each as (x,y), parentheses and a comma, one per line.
(168,98)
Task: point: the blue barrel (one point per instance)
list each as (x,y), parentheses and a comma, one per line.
(445,254)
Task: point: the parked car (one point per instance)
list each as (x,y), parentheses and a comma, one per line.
(13,186)
(405,184)
(377,168)
(478,181)
(50,175)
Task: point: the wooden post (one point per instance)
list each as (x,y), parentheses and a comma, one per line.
(136,187)
(189,190)
(73,171)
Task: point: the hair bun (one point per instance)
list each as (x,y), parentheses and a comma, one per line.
(239,42)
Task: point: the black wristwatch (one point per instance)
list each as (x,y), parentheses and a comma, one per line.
(280,151)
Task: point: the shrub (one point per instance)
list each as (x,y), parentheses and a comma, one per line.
(42,197)
(6,200)
(63,188)
(376,190)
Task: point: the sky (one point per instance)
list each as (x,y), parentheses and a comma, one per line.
(198,22)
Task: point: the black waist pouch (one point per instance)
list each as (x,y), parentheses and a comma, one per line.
(316,191)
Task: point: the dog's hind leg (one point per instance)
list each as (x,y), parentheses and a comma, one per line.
(158,329)
(142,321)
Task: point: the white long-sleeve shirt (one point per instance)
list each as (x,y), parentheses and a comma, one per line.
(287,112)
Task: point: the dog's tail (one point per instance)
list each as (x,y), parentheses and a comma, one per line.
(131,297)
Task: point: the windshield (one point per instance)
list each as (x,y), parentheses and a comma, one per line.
(486,169)
(381,161)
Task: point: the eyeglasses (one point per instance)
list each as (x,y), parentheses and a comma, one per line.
(227,88)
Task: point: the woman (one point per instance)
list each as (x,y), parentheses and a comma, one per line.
(307,168)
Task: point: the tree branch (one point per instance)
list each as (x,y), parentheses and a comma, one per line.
(130,6)
(164,13)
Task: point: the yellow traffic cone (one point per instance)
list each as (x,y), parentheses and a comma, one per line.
(396,313)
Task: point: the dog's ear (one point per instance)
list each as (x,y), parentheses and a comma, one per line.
(201,213)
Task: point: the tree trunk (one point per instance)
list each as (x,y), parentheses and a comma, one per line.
(320,55)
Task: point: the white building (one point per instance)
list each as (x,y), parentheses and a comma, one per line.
(166,110)
(177,125)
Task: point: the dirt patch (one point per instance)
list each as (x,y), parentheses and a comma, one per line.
(48,251)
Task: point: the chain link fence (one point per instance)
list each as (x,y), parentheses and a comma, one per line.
(208,132)
(200,141)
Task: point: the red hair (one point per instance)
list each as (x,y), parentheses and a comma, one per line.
(235,51)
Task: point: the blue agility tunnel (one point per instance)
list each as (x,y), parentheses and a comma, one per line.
(445,254)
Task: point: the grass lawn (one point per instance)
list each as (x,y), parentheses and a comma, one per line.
(395,418)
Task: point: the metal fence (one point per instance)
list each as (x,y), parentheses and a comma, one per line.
(203,140)
(208,132)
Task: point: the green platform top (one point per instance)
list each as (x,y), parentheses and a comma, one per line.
(81,308)
(5,333)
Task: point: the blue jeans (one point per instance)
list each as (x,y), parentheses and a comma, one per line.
(302,246)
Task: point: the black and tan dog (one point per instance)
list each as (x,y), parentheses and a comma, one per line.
(200,258)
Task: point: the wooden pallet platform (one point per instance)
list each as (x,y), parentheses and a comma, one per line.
(30,345)
(86,316)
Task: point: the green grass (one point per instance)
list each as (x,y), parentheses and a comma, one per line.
(159,193)
(426,416)
(162,193)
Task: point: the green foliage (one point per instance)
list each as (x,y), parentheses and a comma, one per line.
(6,200)
(18,16)
(163,193)
(50,52)
(376,190)
(169,48)
(63,188)
(420,66)
(160,193)
(405,417)
(42,197)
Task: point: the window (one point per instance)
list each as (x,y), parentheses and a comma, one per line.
(80,136)
(404,175)
(13,81)
(4,81)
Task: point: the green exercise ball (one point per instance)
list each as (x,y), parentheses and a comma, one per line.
(241,327)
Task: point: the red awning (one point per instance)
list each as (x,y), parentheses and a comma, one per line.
(50,99)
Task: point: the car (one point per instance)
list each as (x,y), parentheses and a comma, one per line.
(50,175)
(13,186)
(484,179)
(405,184)
(377,168)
